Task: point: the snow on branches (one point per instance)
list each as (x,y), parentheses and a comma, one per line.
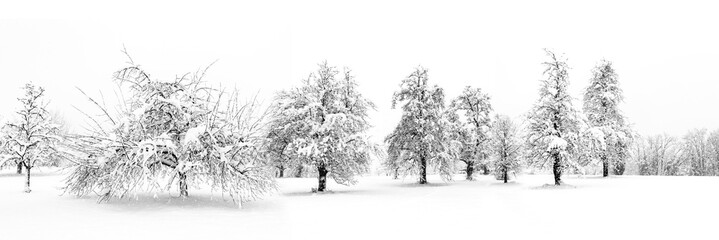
(173,133)
(506,147)
(475,148)
(32,138)
(608,130)
(323,124)
(553,124)
(420,139)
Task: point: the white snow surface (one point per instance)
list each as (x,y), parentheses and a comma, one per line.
(623,207)
(193,135)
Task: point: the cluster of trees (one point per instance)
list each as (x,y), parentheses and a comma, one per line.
(556,135)
(181,132)
(433,136)
(185,132)
(563,138)
(694,154)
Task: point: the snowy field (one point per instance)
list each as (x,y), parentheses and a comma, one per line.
(624,207)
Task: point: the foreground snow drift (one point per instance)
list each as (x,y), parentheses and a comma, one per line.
(378,208)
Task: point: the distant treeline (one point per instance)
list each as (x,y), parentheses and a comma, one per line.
(694,154)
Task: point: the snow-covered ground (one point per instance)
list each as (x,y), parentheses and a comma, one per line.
(624,207)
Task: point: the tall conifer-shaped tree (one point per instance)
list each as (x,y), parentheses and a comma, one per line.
(553,125)
(607,123)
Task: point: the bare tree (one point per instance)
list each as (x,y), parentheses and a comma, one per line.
(658,155)
(713,142)
(696,151)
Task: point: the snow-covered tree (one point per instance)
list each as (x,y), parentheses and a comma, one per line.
(279,139)
(420,139)
(658,155)
(475,148)
(460,136)
(324,124)
(172,133)
(553,124)
(32,139)
(713,142)
(505,147)
(696,152)
(606,122)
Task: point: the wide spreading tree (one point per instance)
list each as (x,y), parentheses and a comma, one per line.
(181,133)
(475,146)
(420,139)
(553,124)
(32,139)
(606,122)
(323,124)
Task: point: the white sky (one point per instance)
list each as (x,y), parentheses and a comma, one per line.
(666,54)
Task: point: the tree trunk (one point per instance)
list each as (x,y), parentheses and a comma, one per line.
(322,177)
(505,175)
(396,173)
(470,170)
(485,169)
(619,168)
(27,180)
(183,185)
(19,168)
(557,169)
(281,172)
(423,171)
(298,174)
(605,166)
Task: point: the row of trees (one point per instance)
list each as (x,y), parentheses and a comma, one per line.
(695,154)
(557,136)
(185,132)
(431,135)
